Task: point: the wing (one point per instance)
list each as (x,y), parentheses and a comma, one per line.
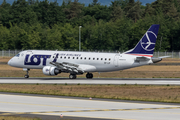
(155,60)
(164,56)
(68,67)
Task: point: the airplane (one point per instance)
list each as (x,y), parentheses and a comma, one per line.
(77,63)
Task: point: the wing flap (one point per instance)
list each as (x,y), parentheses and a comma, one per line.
(74,68)
(68,67)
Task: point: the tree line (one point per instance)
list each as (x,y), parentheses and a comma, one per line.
(33,24)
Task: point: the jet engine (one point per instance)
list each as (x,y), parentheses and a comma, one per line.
(49,70)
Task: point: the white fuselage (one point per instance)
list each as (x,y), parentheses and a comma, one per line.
(101,62)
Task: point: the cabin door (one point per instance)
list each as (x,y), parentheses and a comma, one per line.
(116,60)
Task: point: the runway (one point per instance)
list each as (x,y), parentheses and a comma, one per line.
(81,108)
(118,81)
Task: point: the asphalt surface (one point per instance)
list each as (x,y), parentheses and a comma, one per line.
(50,107)
(139,81)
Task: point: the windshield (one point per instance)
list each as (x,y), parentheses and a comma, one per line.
(17,55)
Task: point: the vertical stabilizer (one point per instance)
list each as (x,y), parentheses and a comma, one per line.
(146,45)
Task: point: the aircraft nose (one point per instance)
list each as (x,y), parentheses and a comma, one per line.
(9,62)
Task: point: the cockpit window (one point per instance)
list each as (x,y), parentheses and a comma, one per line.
(17,55)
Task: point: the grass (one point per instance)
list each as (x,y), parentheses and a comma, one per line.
(124,92)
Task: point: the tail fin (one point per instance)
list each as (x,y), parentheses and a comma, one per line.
(146,45)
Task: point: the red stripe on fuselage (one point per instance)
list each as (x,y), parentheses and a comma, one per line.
(142,55)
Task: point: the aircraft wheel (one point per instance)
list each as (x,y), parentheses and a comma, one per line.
(72,76)
(26,76)
(89,75)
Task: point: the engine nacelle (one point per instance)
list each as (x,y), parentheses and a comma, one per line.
(48,70)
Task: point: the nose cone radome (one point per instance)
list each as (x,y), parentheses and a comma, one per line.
(9,62)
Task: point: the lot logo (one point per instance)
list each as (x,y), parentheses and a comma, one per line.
(147,42)
(36,59)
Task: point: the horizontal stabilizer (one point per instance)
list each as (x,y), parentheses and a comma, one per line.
(164,56)
(155,60)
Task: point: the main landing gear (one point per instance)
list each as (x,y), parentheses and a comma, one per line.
(27,72)
(89,75)
(72,76)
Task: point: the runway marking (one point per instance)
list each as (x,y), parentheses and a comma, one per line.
(177,113)
(70,99)
(14,113)
(46,105)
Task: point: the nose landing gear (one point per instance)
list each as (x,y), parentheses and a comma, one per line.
(26,76)
(27,71)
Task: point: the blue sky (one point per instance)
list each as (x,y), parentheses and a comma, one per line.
(103,2)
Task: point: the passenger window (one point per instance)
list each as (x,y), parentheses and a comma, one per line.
(81,57)
(97,58)
(64,57)
(77,58)
(61,57)
(105,59)
(93,58)
(73,57)
(85,58)
(101,58)
(68,57)
(89,58)
(109,59)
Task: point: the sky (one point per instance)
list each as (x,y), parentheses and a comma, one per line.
(86,2)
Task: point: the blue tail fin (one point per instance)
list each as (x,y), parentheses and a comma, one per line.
(146,45)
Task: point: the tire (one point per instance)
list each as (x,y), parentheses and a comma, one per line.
(87,75)
(72,76)
(91,75)
(26,76)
